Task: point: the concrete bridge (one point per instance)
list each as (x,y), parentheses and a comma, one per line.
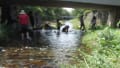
(66,3)
(113,6)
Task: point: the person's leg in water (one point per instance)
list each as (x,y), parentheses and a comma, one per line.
(25,33)
(94,26)
(28,33)
(67,27)
(83,27)
(22,36)
(22,32)
(28,36)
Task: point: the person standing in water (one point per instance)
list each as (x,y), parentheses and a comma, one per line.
(31,17)
(24,23)
(58,24)
(82,25)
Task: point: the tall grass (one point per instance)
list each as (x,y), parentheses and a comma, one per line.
(105,46)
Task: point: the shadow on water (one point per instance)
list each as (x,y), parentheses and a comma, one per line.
(48,47)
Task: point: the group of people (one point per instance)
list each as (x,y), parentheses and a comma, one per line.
(24,21)
(82,25)
(28,22)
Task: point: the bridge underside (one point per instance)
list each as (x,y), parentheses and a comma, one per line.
(55,4)
(114,14)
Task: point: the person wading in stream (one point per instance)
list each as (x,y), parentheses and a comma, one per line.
(24,23)
(82,25)
(58,24)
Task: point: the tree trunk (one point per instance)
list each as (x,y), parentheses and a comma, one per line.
(5,16)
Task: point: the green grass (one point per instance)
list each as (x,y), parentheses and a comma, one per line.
(53,25)
(76,23)
(105,47)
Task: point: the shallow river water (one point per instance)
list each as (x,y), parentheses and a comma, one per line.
(49,47)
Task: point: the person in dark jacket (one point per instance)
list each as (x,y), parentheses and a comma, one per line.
(82,25)
(58,24)
(93,22)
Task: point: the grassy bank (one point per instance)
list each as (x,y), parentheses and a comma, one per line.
(104,48)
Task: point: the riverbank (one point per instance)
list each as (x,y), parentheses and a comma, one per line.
(100,49)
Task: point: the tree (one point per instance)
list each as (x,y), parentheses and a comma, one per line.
(48,13)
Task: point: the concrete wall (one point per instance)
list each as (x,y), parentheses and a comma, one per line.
(102,16)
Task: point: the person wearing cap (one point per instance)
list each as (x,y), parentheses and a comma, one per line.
(24,23)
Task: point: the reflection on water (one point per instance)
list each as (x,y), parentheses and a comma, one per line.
(50,48)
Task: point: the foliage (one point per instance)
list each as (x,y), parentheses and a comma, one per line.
(105,53)
(76,23)
(78,12)
(48,13)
